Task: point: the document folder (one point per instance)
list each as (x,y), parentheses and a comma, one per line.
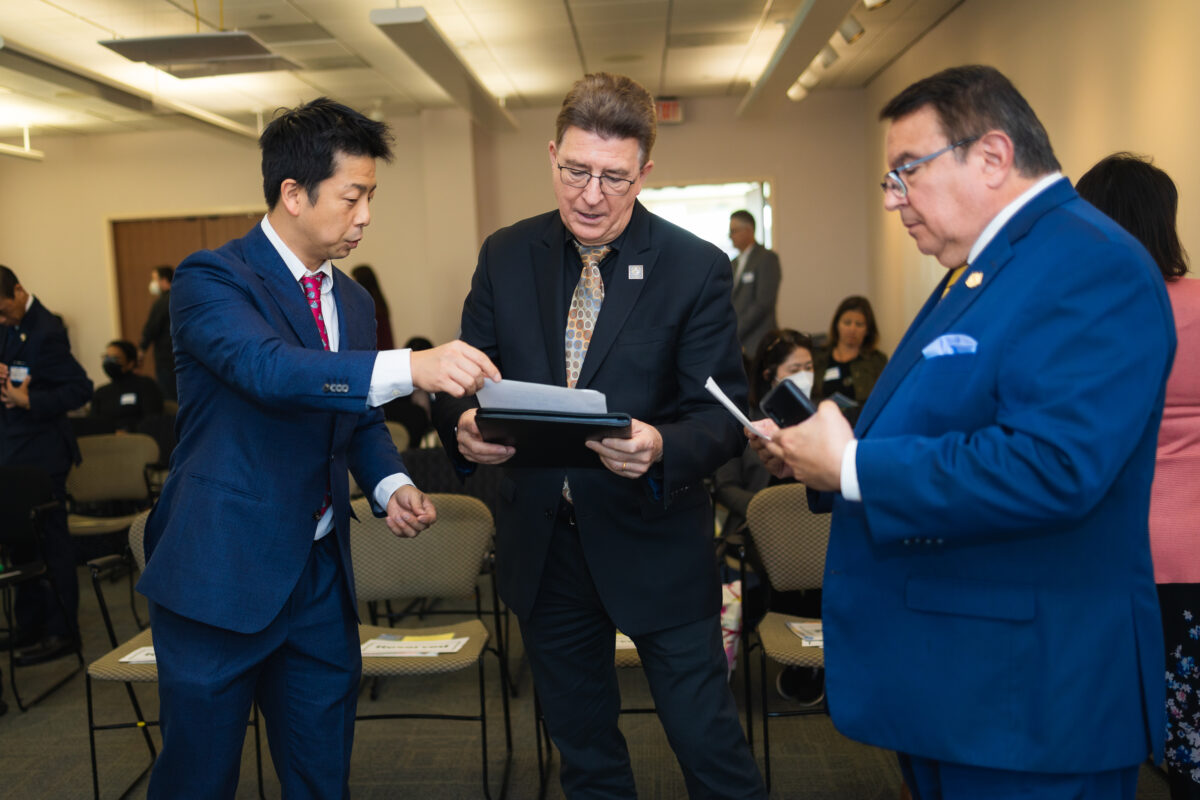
(550,438)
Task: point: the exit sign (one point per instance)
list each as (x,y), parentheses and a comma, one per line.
(669,110)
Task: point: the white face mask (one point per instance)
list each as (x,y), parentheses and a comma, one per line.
(155,289)
(802,379)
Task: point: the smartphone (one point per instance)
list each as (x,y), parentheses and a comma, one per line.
(787,405)
(18,371)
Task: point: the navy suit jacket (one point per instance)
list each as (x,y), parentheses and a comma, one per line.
(991,601)
(41,436)
(267,419)
(657,339)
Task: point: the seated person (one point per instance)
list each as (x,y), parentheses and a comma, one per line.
(130,397)
(850,364)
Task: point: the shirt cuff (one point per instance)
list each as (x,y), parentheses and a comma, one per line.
(391,377)
(388,486)
(850,489)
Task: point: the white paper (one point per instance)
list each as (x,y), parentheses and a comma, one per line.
(716,392)
(392,648)
(143,655)
(525,396)
(810,633)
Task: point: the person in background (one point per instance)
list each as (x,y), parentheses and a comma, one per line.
(1143,199)
(756,279)
(157,332)
(365,276)
(40,381)
(850,364)
(130,397)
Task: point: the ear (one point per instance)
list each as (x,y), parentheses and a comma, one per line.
(996,151)
(292,196)
(553,155)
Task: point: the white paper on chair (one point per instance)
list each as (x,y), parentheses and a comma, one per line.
(143,655)
(391,648)
(810,633)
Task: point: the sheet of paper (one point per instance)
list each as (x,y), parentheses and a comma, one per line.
(390,648)
(810,633)
(716,392)
(526,396)
(143,655)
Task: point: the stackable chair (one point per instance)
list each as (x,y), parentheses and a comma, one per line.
(26,496)
(109,667)
(441,562)
(791,542)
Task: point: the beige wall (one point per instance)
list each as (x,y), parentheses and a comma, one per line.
(1103,75)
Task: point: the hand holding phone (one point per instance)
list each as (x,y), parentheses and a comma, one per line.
(787,405)
(18,371)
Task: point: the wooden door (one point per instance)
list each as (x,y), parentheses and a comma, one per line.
(141,245)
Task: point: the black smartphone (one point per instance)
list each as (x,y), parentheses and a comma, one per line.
(787,405)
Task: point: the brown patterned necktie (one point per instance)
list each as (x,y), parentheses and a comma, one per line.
(581,319)
(585,308)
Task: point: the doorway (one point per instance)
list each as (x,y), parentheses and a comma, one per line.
(704,209)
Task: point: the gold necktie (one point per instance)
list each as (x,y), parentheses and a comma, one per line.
(955,274)
(581,319)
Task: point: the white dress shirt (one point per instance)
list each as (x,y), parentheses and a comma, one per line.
(391,377)
(850,487)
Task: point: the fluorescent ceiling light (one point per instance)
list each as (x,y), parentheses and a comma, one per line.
(851,29)
(809,78)
(202,55)
(414,32)
(874,4)
(796,92)
(827,56)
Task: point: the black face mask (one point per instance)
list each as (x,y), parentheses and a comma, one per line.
(113,369)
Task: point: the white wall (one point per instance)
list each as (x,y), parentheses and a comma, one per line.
(1102,75)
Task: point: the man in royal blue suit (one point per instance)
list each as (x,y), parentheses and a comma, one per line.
(989,607)
(602,294)
(248,561)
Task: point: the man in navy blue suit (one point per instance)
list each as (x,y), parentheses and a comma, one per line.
(989,606)
(248,559)
(40,381)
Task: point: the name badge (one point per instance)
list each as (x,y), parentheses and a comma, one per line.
(129,399)
(635,272)
(747,277)
(833,373)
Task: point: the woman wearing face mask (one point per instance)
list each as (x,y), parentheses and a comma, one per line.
(130,397)
(850,365)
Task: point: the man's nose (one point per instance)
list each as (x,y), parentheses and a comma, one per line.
(591,192)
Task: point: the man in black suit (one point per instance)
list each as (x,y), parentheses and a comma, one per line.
(40,381)
(602,294)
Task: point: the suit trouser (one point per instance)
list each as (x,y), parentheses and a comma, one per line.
(570,639)
(303,670)
(942,780)
(36,609)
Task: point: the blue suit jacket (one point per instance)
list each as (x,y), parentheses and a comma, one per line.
(267,419)
(991,601)
(41,436)
(659,336)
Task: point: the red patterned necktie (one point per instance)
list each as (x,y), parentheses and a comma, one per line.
(581,319)
(312,294)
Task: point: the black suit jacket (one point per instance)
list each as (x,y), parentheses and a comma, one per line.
(648,542)
(41,436)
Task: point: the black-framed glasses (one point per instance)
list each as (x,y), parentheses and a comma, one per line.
(609,184)
(893,183)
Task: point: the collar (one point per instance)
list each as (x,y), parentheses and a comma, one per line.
(1007,213)
(294,264)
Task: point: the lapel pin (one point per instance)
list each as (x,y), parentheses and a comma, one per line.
(24,336)
(635,272)
(974,279)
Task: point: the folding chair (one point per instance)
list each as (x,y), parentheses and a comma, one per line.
(113,477)
(109,667)
(791,542)
(441,562)
(26,496)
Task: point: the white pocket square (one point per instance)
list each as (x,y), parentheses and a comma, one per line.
(950,344)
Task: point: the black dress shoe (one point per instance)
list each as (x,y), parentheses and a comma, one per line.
(47,649)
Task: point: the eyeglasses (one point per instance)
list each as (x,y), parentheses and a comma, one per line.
(894,184)
(609,184)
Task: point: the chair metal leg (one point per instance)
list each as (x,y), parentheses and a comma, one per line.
(762,663)
(545,751)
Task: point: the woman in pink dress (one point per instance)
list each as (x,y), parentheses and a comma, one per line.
(1143,199)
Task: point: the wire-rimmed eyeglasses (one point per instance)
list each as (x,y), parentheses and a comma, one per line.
(609,184)
(894,184)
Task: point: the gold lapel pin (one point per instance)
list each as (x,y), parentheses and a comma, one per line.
(23,336)
(974,279)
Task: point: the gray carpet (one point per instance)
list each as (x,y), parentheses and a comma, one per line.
(44,752)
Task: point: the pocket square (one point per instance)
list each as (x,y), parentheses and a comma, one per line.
(950,344)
